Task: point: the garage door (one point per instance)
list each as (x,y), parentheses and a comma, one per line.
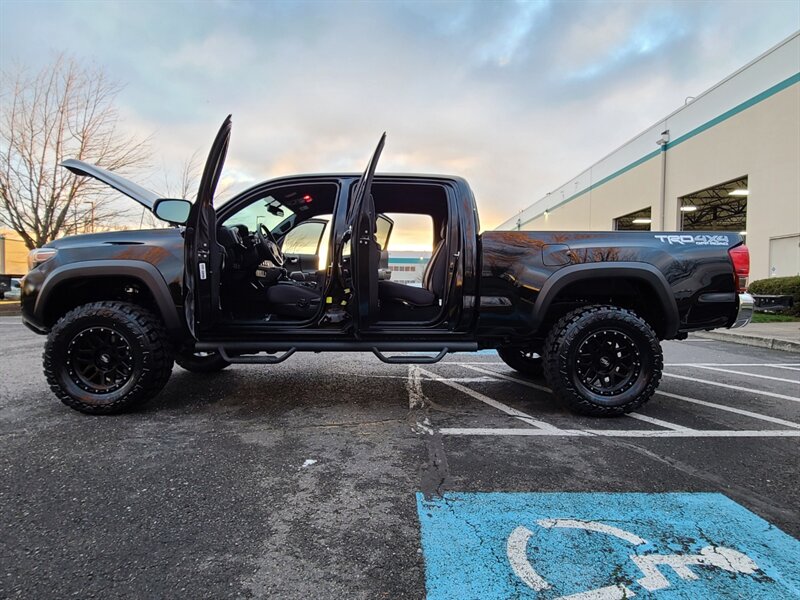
(784,256)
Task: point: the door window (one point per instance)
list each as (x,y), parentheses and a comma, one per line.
(304,239)
(383,229)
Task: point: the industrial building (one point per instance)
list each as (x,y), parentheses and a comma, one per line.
(408,267)
(13,253)
(728,160)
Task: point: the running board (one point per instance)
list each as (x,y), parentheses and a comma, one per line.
(251,352)
(257,359)
(415,359)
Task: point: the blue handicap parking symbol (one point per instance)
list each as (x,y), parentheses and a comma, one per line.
(603,546)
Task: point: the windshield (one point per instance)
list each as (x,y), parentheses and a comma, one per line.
(267,211)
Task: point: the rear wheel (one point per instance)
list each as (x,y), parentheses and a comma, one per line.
(603,361)
(526,362)
(106,357)
(201,362)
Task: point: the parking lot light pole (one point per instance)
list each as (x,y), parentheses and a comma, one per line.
(664,143)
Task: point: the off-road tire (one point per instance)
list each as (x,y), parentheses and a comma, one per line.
(146,348)
(602,334)
(521,361)
(210,363)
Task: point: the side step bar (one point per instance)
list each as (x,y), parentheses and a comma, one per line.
(416,359)
(249,352)
(255,359)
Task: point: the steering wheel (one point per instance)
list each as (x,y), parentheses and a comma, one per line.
(270,245)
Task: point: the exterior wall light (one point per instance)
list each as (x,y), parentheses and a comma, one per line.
(688,208)
(642,221)
(739,193)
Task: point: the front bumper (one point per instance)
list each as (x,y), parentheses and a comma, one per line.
(745,312)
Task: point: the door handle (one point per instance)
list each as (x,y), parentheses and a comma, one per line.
(294,260)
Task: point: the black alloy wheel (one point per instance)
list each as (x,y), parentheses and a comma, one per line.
(603,361)
(100,360)
(106,357)
(607,362)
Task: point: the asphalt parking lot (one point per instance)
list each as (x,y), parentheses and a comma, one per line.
(314,477)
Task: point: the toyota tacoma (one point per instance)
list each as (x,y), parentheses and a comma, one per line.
(299,264)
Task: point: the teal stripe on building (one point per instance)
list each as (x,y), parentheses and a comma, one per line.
(768,93)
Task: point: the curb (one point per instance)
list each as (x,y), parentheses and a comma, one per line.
(752,340)
(9,309)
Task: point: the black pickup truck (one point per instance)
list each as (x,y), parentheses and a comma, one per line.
(299,264)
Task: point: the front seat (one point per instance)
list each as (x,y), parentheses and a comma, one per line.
(433,280)
(289,299)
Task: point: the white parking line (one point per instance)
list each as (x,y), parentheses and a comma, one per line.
(508,378)
(461,363)
(670,429)
(731,409)
(746,374)
(666,424)
(735,387)
(459,379)
(491,402)
(789,367)
(645,418)
(659,422)
(778,365)
(638,433)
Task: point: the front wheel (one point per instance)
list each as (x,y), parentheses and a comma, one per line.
(107,357)
(603,361)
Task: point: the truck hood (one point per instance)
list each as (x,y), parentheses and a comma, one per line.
(150,237)
(132,190)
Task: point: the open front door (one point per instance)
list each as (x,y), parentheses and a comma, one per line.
(202,253)
(365,254)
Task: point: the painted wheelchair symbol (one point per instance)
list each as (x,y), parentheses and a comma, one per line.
(653,579)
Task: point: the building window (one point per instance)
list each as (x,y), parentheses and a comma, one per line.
(635,221)
(719,208)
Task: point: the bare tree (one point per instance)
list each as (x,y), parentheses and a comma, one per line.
(64,111)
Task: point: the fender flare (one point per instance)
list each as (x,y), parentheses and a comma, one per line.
(643,272)
(145,272)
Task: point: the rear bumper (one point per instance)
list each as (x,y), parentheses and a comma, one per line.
(745,311)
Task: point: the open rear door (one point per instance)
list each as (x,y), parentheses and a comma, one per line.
(202,253)
(365,255)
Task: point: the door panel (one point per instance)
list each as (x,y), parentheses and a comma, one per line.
(202,253)
(365,253)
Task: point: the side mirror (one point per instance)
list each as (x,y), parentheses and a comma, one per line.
(172,210)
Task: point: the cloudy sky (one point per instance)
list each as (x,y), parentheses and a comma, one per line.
(518,97)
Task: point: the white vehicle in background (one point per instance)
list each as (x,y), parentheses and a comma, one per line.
(14,291)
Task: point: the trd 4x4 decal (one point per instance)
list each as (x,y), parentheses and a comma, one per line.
(698,240)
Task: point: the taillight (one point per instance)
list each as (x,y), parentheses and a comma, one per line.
(740,257)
